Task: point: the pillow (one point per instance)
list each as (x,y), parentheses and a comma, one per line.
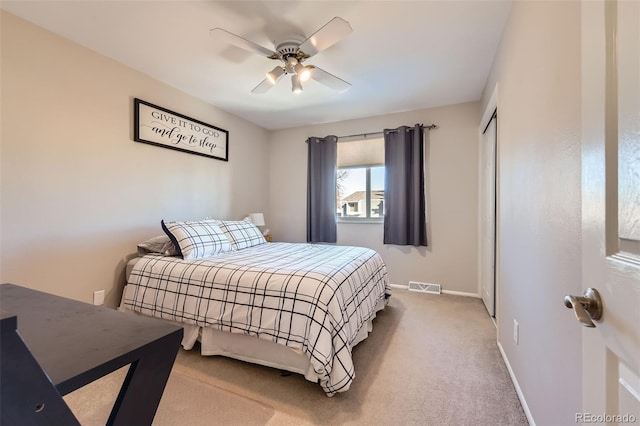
(161,244)
(241,233)
(196,239)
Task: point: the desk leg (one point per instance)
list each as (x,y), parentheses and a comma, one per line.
(142,389)
(27,396)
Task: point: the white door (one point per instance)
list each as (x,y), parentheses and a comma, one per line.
(487,209)
(611,209)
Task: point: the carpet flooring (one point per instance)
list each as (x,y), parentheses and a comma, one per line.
(430,360)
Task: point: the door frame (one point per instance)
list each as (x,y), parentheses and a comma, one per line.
(490,109)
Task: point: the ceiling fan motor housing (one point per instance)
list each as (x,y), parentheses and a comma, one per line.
(290,48)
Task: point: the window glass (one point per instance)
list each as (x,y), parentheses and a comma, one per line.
(360,180)
(351,190)
(377,191)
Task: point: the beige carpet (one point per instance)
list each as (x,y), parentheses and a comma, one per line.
(431,360)
(186,401)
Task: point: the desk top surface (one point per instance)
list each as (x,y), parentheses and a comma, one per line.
(69,338)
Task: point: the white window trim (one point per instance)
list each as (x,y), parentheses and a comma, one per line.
(369,220)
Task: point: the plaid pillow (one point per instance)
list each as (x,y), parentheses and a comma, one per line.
(241,234)
(197,239)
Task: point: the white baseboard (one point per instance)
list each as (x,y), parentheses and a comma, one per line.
(454,293)
(523,401)
(405,287)
(461,293)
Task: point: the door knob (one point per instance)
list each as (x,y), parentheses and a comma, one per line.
(586,307)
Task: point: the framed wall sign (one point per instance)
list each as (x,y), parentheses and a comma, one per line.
(159,126)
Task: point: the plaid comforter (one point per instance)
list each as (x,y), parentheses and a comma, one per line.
(314,298)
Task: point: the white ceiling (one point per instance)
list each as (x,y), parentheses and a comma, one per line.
(401,56)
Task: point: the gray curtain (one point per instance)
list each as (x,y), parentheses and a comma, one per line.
(321,189)
(404,198)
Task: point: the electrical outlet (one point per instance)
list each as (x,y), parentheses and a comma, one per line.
(516,332)
(98,297)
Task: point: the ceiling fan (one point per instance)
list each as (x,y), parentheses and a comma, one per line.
(293,51)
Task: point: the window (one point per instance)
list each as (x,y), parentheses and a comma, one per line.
(360,180)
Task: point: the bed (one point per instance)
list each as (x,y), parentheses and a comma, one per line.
(297,307)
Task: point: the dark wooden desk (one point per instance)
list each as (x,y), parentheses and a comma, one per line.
(76,343)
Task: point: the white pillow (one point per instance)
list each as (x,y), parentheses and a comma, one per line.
(197,239)
(241,233)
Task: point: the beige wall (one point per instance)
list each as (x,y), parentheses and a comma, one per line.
(538,75)
(450,259)
(78,193)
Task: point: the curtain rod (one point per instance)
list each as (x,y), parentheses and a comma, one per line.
(430,126)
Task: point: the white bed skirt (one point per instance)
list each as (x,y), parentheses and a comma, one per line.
(255,350)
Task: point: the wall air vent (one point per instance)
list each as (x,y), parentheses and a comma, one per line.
(425,287)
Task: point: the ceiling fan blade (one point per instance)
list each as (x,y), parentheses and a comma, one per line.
(240,42)
(263,87)
(332,32)
(329,80)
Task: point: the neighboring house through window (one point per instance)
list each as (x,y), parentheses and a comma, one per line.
(360,180)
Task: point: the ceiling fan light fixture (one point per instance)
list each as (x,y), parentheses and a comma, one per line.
(304,73)
(275,74)
(296,86)
(292,64)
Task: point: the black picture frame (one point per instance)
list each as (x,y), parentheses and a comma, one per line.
(162,127)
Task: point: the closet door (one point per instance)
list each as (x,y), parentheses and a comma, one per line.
(487,211)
